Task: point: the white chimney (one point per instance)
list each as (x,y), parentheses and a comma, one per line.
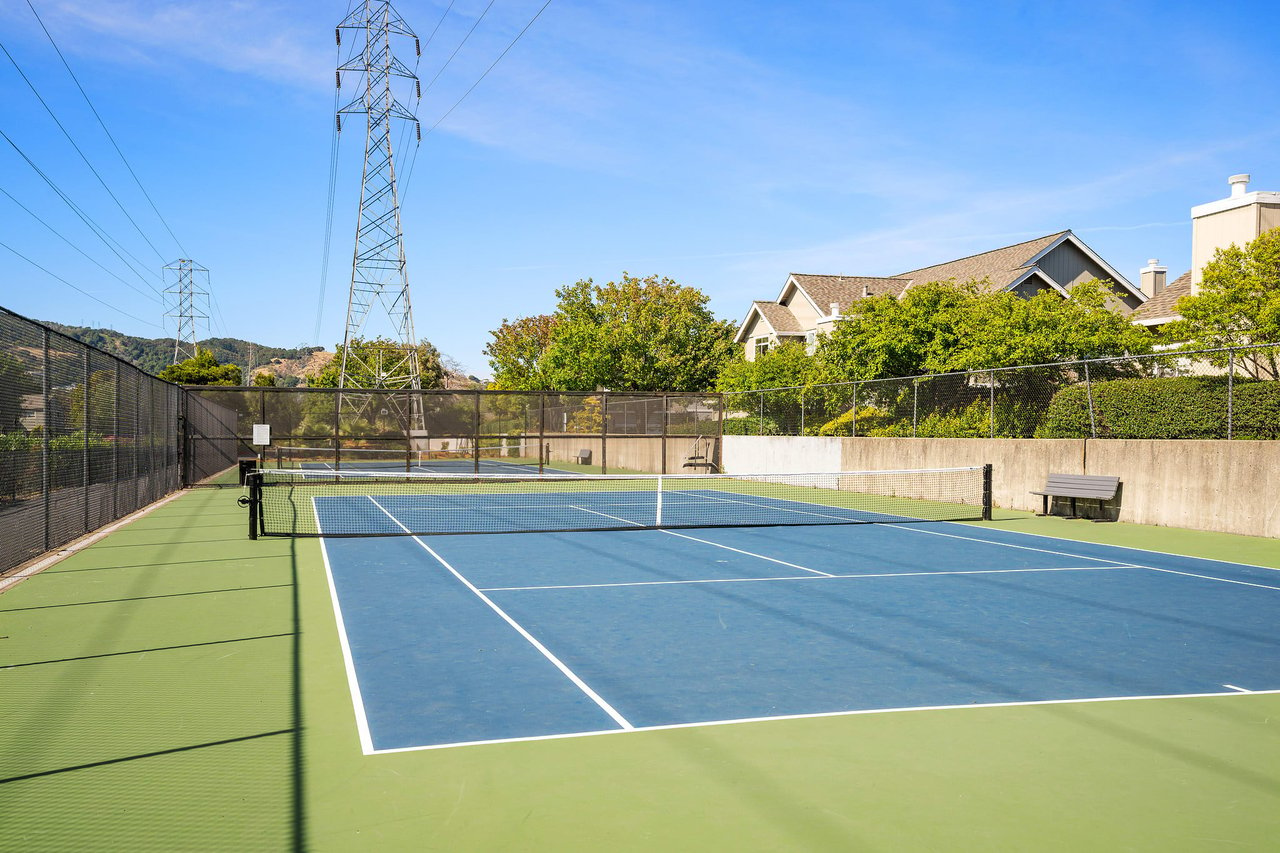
(1239,185)
(1153,277)
(835,309)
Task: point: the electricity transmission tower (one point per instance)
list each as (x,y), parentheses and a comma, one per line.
(187,299)
(378,275)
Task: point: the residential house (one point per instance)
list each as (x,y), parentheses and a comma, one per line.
(1237,219)
(809,305)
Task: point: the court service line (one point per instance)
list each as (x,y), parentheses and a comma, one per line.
(1086,557)
(353,680)
(709,542)
(1237,689)
(1122,547)
(810,578)
(559,664)
(1209,577)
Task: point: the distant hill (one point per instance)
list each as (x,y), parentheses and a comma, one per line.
(289,365)
(155,354)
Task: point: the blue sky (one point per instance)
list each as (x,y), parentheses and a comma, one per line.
(723,144)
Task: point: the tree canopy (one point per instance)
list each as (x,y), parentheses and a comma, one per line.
(637,334)
(372,355)
(202,369)
(941,327)
(1238,302)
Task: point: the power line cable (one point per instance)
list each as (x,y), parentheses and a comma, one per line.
(461,43)
(83,157)
(97,230)
(78,289)
(491,67)
(103,124)
(91,259)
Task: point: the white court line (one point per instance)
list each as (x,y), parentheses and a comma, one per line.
(826,714)
(810,577)
(353,681)
(1082,556)
(1123,547)
(1209,577)
(1239,689)
(559,664)
(709,542)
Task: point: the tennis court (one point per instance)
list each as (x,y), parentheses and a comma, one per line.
(462,640)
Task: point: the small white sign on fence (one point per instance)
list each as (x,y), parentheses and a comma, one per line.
(262,434)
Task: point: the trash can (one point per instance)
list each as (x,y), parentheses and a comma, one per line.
(248,465)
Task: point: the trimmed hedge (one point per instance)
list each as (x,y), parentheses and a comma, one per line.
(1170,408)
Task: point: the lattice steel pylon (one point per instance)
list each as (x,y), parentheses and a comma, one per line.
(187,302)
(378,272)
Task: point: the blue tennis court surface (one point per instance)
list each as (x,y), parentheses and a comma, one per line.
(468,639)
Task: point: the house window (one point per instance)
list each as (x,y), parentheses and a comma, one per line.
(762,346)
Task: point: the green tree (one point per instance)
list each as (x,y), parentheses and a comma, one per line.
(940,327)
(15,383)
(1238,304)
(372,355)
(637,334)
(264,379)
(202,369)
(516,352)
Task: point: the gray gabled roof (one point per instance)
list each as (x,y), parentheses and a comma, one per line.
(1002,267)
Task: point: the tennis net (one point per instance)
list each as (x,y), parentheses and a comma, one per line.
(374,503)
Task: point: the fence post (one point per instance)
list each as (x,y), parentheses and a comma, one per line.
(475,437)
(604,432)
(853,431)
(761,393)
(665,417)
(115,446)
(915,396)
(44,434)
(993,404)
(1088,391)
(542,429)
(84,425)
(1231,390)
(802,411)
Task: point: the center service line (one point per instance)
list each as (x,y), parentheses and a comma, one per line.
(709,542)
(570,674)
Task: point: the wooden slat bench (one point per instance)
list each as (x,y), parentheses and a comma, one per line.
(1074,486)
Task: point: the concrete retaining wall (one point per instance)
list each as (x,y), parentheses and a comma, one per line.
(1228,486)
(631,453)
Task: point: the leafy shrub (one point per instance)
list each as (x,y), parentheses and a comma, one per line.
(1168,408)
(751,425)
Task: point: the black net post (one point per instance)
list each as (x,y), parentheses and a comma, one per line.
(986,492)
(666,416)
(254,482)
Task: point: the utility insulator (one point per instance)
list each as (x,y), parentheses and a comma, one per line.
(417,46)
(337,34)
(337,75)
(338,119)
(417,84)
(418,125)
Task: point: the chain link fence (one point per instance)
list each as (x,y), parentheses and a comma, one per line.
(85,439)
(474,430)
(1229,393)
